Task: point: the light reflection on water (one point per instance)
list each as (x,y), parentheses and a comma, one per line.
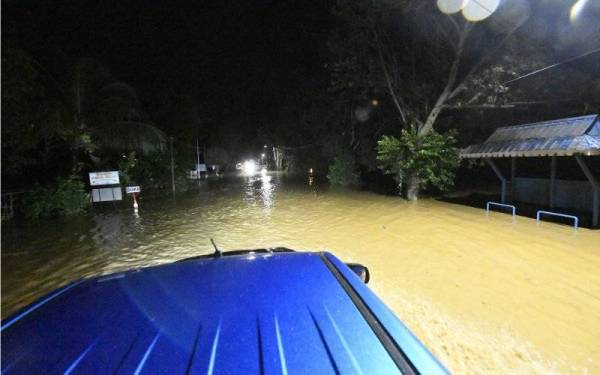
(484,293)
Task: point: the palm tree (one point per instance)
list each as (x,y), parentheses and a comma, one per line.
(105,113)
(119,123)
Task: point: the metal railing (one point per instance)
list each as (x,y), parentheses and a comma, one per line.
(488,204)
(575,218)
(8,204)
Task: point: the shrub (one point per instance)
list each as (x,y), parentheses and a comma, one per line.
(66,197)
(343,171)
(431,159)
(152,171)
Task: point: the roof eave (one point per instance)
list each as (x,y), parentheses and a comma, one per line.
(529,154)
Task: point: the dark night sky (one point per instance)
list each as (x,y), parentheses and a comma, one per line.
(229,56)
(238,60)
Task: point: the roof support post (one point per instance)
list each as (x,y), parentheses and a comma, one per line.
(595,187)
(513,169)
(500,176)
(552,181)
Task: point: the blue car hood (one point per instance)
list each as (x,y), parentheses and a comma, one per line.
(267,313)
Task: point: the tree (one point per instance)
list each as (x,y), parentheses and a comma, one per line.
(304,129)
(433,157)
(67,196)
(343,170)
(382,47)
(33,126)
(118,122)
(83,113)
(105,112)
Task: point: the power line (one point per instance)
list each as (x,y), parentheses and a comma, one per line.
(553,66)
(483,6)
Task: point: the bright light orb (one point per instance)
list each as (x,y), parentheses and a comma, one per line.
(451,6)
(576,9)
(249,167)
(479,10)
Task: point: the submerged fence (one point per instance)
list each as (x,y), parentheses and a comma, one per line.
(9,204)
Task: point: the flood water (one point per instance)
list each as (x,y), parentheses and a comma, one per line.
(485,294)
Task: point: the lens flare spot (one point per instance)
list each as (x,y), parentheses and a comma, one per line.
(478,10)
(451,6)
(576,9)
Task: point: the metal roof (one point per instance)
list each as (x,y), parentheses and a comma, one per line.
(563,137)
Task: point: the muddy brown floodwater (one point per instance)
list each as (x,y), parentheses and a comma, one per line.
(485,294)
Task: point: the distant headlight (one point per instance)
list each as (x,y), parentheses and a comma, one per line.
(249,167)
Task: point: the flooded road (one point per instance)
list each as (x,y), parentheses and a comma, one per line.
(485,294)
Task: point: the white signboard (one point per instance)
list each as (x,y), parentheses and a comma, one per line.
(132,189)
(106,194)
(104,178)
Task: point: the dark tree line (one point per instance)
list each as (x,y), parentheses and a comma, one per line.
(349,88)
(432,72)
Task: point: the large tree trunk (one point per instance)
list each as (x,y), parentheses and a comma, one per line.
(412,188)
(435,112)
(450,82)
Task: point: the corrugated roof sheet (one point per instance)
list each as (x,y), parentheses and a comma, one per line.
(563,137)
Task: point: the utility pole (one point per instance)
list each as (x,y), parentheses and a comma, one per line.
(197,159)
(172,166)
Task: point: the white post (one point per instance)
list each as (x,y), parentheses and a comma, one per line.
(513,169)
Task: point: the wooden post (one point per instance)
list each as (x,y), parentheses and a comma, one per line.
(596,205)
(198,159)
(172,167)
(12,205)
(595,187)
(513,168)
(501,177)
(552,180)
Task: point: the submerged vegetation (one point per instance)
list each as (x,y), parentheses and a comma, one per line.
(424,161)
(343,171)
(65,197)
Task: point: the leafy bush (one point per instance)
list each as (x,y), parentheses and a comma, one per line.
(152,171)
(431,159)
(343,171)
(65,197)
